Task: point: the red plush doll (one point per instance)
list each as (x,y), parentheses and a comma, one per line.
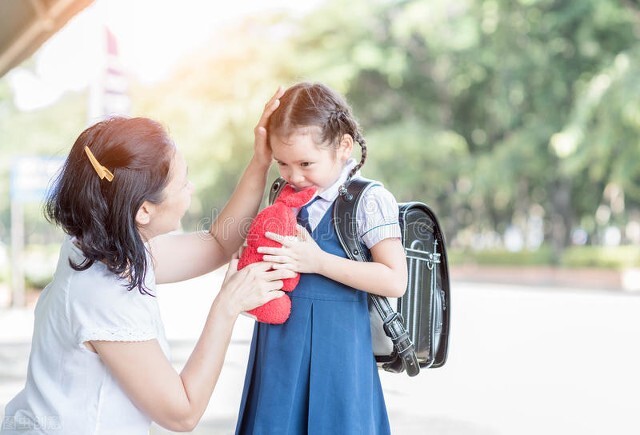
(278,218)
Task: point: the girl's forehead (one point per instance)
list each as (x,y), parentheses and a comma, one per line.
(292,143)
(296,148)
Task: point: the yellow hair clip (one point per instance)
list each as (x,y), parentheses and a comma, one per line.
(101,170)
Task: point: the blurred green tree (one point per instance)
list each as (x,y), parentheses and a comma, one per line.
(496,112)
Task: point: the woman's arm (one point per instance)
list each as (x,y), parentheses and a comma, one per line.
(174,401)
(182,256)
(178,257)
(386,275)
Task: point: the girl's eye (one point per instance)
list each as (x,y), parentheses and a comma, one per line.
(281,164)
(305,164)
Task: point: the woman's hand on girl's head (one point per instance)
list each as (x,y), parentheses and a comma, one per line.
(300,254)
(262,151)
(251,287)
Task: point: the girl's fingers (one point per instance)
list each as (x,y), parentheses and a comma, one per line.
(286,241)
(268,250)
(275,237)
(290,241)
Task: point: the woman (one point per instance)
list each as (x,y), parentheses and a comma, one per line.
(98,363)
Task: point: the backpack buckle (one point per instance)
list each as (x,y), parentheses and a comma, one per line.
(388,327)
(342,191)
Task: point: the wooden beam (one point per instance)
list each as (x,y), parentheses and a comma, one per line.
(47,21)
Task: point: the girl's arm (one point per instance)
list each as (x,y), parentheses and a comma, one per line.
(178,257)
(386,275)
(174,401)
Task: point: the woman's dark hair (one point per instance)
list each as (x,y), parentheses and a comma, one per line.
(101,214)
(314,104)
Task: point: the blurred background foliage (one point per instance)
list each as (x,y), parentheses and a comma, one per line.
(518,121)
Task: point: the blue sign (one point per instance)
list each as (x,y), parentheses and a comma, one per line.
(31,177)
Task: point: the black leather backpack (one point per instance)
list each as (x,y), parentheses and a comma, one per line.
(411,332)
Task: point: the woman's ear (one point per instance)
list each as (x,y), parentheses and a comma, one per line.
(346,147)
(143,216)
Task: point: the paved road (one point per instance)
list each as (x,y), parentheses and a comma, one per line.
(522,361)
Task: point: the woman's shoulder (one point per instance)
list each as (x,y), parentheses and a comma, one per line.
(101,307)
(95,304)
(97,285)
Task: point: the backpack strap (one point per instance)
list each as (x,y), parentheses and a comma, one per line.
(345,221)
(276,188)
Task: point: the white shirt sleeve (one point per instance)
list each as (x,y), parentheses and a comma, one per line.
(101,308)
(377,216)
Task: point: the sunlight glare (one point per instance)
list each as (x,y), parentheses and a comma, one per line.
(153,36)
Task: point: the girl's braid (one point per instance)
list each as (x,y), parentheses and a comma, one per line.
(352,128)
(363,146)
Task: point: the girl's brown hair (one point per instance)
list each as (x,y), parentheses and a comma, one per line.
(314,104)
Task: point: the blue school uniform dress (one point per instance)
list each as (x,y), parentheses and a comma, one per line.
(316,373)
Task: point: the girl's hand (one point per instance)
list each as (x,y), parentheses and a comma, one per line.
(252,286)
(261,149)
(299,254)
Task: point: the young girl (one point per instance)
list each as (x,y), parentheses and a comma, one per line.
(316,373)
(99,358)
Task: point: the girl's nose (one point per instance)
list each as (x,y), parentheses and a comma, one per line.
(296,177)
